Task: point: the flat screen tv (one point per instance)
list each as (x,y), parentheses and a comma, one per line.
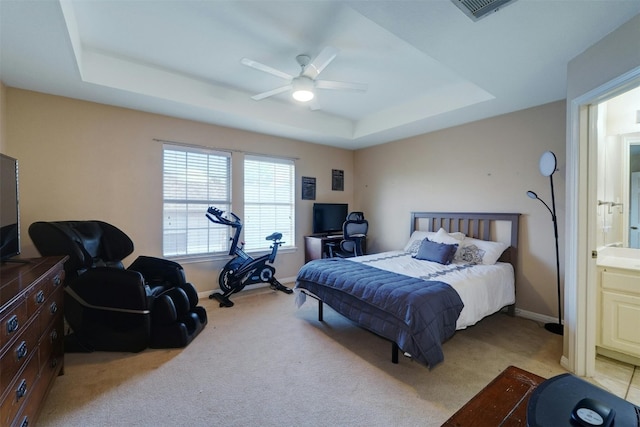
(9,208)
(329,217)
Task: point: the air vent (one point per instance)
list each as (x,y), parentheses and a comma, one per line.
(476,9)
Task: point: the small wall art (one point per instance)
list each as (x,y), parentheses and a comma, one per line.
(308,188)
(337,180)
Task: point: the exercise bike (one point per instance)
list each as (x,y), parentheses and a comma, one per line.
(242,269)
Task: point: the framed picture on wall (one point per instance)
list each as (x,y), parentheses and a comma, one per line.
(337,180)
(308,188)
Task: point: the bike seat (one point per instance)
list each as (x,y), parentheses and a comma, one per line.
(274,236)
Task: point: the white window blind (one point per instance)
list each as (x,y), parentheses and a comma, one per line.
(193,180)
(269,201)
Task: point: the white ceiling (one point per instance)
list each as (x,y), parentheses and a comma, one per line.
(426,64)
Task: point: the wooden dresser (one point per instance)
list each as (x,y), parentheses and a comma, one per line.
(503,402)
(31,336)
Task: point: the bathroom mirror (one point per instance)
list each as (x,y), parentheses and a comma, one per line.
(618,173)
(631,190)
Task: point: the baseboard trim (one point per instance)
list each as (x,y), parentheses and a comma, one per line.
(535,316)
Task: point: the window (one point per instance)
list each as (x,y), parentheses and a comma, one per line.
(269,201)
(193,180)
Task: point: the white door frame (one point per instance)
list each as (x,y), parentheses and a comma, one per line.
(580,289)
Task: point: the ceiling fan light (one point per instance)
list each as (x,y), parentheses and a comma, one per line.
(302,95)
(302,89)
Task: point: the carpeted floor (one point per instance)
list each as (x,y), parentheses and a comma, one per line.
(264,362)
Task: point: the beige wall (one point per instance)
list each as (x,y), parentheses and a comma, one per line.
(483,166)
(611,64)
(81,160)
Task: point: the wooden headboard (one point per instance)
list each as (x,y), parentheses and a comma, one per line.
(501,227)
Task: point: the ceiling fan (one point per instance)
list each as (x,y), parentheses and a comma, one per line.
(303,86)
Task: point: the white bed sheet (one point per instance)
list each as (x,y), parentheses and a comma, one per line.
(484,289)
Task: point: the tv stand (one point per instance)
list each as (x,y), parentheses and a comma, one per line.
(316,245)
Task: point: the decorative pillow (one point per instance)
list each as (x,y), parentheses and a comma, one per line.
(469,254)
(441,253)
(441,236)
(487,251)
(416,239)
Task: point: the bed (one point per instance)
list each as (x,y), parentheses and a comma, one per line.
(456,269)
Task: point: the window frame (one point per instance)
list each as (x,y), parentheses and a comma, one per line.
(255,239)
(216,238)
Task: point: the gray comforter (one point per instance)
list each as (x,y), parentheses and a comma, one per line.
(417,315)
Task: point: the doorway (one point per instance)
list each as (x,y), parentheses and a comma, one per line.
(613,200)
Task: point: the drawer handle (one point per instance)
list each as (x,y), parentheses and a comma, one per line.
(21,351)
(54,308)
(12,324)
(25,422)
(57,280)
(21,391)
(40,297)
(54,335)
(53,363)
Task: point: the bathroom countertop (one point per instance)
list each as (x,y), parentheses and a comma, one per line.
(626,258)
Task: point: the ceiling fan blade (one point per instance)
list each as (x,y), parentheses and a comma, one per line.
(272,92)
(259,66)
(329,84)
(319,63)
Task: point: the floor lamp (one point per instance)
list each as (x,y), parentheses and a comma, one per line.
(548,165)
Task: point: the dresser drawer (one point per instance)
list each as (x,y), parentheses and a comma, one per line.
(50,310)
(13,319)
(41,291)
(17,354)
(19,390)
(52,344)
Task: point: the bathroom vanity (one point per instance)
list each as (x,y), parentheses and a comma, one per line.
(619,304)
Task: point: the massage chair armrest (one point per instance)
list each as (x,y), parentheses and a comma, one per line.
(162,274)
(158,270)
(111,287)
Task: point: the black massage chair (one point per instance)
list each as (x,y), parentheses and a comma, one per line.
(110,308)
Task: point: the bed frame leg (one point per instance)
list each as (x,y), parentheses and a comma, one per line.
(394,353)
(320,314)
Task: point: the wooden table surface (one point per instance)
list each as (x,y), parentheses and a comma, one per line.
(503,402)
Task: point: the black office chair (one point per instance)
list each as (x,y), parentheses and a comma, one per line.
(354,233)
(110,308)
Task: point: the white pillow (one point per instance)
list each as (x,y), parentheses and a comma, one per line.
(449,238)
(480,251)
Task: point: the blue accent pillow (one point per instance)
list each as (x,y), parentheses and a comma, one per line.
(441,253)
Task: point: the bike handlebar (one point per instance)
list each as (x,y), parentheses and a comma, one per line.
(217,213)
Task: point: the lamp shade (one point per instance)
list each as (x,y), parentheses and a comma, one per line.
(548,163)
